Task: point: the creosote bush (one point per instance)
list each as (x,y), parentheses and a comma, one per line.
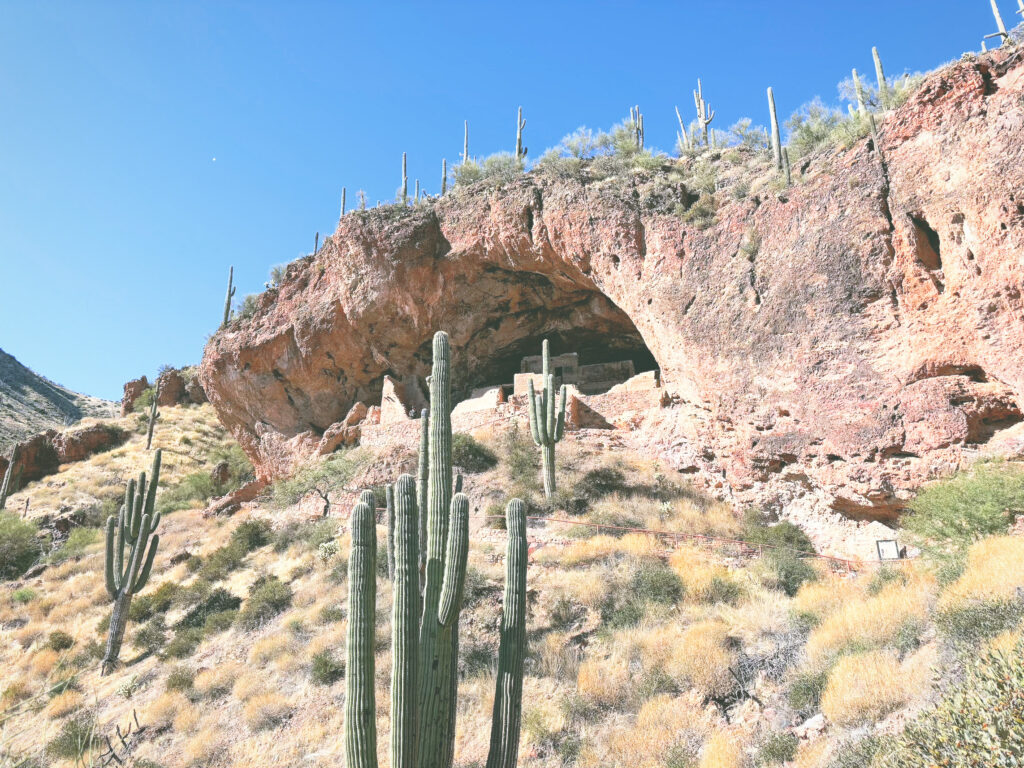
(18,546)
(470,455)
(267,598)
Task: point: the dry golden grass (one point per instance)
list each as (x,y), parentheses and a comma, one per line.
(701,658)
(187,718)
(558,658)
(248,685)
(604,681)
(723,750)
(995,568)
(161,713)
(824,597)
(813,754)
(28,635)
(272,647)
(42,662)
(599,547)
(700,573)
(218,680)
(863,688)
(266,710)
(205,747)
(664,725)
(873,621)
(64,704)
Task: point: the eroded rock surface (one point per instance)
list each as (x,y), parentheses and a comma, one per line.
(829,347)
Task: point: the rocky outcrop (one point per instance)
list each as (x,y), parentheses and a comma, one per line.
(132,392)
(178,386)
(833,345)
(43,453)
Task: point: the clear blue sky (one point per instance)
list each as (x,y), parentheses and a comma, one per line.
(117,225)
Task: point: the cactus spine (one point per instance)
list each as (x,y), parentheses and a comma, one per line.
(229,297)
(133,527)
(154,414)
(883,84)
(703,117)
(861,106)
(10,482)
(405,182)
(360,699)
(547,425)
(520,149)
(423,680)
(776,135)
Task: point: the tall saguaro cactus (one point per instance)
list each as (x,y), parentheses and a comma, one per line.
(465,142)
(776,135)
(547,424)
(704,113)
(520,125)
(389,504)
(421,484)
(343,202)
(444,177)
(229,297)
(424,659)
(132,529)
(10,482)
(1001,34)
(154,414)
(405,182)
(883,84)
(859,90)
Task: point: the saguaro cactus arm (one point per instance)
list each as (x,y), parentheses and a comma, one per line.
(776,135)
(547,425)
(422,470)
(455,561)
(704,113)
(404,628)
(390,511)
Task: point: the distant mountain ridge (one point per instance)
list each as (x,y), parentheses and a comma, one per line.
(30,403)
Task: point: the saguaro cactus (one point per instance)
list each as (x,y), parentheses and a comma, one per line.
(405,182)
(9,484)
(465,142)
(859,90)
(132,528)
(547,425)
(229,297)
(342,202)
(883,84)
(405,616)
(389,492)
(776,135)
(154,414)
(785,166)
(421,484)
(360,699)
(444,176)
(703,116)
(1001,34)
(682,137)
(520,124)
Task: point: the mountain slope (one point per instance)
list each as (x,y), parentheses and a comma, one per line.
(30,403)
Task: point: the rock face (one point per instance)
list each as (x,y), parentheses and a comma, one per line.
(178,386)
(43,453)
(833,345)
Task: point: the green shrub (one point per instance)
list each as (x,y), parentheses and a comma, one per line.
(160,600)
(267,598)
(78,541)
(654,581)
(641,583)
(502,168)
(600,482)
(788,570)
(151,636)
(756,530)
(180,679)
(859,752)
(885,576)
(18,546)
(76,738)
(468,172)
(184,643)
(722,589)
(615,517)
(965,625)
(330,614)
(24,595)
(217,601)
(470,455)
(780,747)
(702,213)
(949,515)
(310,533)
(323,476)
(144,400)
(59,640)
(977,722)
(325,669)
(251,534)
(806,689)
(219,622)
(811,127)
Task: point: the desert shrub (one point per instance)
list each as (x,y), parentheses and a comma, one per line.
(184,643)
(520,457)
(600,482)
(323,476)
(330,614)
(966,624)
(642,582)
(859,752)
(151,636)
(947,516)
(267,598)
(200,486)
(805,690)
(312,534)
(789,571)
(216,601)
(778,748)
(470,455)
(251,534)
(76,738)
(180,679)
(266,711)
(144,400)
(325,669)
(783,535)
(18,546)
(160,600)
(744,134)
(59,640)
(78,541)
(502,167)
(977,721)
(24,595)
(218,622)
(702,213)
(863,688)
(611,515)
(885,576)
(811,127)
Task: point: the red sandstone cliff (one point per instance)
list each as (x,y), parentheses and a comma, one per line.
(838,343)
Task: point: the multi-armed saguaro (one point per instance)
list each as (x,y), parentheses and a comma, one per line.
(132,528)
(424,647)
(704,112)
(547,425)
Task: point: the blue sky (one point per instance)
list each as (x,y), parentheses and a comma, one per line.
(117,225)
